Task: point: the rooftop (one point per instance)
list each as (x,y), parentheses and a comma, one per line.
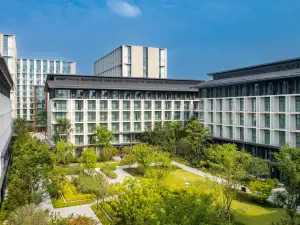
(118,83)
(282,65)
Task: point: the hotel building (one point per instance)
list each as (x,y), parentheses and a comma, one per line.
(133,61)
(6,128)
(127,106)
(256,107)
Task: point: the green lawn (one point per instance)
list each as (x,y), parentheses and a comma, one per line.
(245,211)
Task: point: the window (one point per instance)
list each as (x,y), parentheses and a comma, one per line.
(78,140)
(267,137)
(253,120)
(267,120)
(281,138)
(91,116)
(297,140)
(168,105)
(230,119)
(157,115)
(241,104)
(241,133)
(126,127)
(145,61)
(254,135)
(129,53)
(157,105)
(137,116)
(78,128)
(137,105)
(115,127)
(91,105)
(5,45)
(115,116)
(78,105)
(78,116)
(103,105)
(230,132)
(147,116)
(61,115)
(137,126)
(242,119)
(57,66)
(298,104)
(115,105)
(126,105)
(126,116)
(221,118)
(221,104)
(103,116)
(230,104)
(297,122)
(126,138)
(147,105)
(177,105)
(253,100)
(282,121)
(176,115)
(168,116)
(281,104)
(267,104)
(148,95)
(186,105)
(91,128)
(60,105)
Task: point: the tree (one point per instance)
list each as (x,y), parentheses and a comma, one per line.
(288,160)
(62,130)
(107,153)
(88,160)
(42,120)
(100,187)
(143,155)
(258,168)
(31,162)
(138,200)
(261,190)
(103,137)
(20,127)
(64,152)
(231,164)
(28,215)
(125,151)
(197,136)
(128,160)
(57,178)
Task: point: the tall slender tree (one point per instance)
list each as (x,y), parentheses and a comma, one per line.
(62,130)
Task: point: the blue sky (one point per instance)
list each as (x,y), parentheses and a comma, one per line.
(202,36)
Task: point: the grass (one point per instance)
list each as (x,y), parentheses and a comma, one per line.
(244,211)
(59,203)
(101,215)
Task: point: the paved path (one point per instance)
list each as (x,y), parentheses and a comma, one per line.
(203,174)
(82,210)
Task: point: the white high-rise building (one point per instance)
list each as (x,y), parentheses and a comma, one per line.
(8,49)
(26,74)
(133,61)
(32,73)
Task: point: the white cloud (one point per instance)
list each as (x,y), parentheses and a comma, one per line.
(123,8)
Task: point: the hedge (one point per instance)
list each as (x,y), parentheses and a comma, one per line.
(59,203)
(110,211)
(101,215)
(70,196)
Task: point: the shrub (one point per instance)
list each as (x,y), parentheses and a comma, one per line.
(69,195)
(106,154)
(270,182)
(110,211)
(59,203)
(260,190)
(107,168)
(112,175)
(101,215)
(128,160)
(276,181)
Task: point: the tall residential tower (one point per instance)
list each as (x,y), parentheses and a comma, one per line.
(133,61)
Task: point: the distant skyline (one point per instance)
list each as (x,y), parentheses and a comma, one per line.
(202,36)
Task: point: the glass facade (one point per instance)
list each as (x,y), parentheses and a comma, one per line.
(281,104)
(282,121)
(267,120)
(5,45)
(145,61)
(267,137)
(281,138)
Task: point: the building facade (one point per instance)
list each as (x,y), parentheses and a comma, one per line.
(127,106)
(6,128)
(256,107)
(31,77)
(133,61)
(8,49)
